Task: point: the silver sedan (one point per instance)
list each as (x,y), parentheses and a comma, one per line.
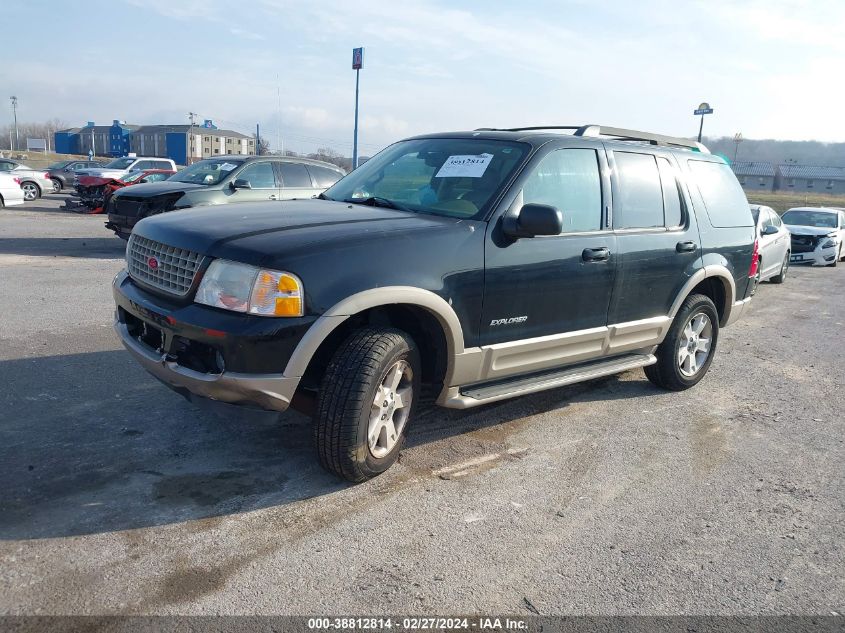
(773,245)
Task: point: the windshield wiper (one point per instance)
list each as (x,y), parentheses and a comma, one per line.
(375,201)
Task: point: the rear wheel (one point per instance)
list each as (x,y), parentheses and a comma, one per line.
(30,191)
(366,401)
(684,356)
(57,185)
(784,268)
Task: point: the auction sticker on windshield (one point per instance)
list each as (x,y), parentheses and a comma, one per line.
(227,167)
(466,166)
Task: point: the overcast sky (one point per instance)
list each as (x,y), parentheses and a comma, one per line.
(770,69)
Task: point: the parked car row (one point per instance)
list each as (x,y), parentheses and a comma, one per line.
(224,180)
(803,235)
(33,182)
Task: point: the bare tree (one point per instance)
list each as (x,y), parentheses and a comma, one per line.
(262,146)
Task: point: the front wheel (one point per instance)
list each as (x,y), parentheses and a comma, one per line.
(685,354)
(365,403)
(784,268)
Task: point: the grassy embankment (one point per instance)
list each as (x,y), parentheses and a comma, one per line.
(781,201)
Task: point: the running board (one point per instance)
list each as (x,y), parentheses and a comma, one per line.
(483,393)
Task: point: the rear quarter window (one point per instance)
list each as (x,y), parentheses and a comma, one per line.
(724,199)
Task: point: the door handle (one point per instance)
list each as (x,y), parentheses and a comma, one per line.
(596,254)
(272,196)
(686,247)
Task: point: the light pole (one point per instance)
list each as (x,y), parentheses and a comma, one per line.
(357,65)
(737,140)
(189,155)
(14,101)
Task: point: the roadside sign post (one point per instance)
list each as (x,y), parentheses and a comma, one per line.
(357,65)
(703,108)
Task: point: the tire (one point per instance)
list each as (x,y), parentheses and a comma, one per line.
(841,256)
(57,185)
(31,191)
(784,268)
(672,371)
(352,439)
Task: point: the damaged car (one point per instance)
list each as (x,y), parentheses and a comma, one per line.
(94,192)
(817,235)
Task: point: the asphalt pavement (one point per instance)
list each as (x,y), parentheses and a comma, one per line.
(610,497)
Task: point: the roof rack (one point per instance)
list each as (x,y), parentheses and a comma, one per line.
(616,133)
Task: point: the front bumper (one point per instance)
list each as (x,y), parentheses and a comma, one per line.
(818,257)
(273,392)
(121,223)
(211,353)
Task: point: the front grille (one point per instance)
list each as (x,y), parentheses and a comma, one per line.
(173,270)
(804,243)
(129,207)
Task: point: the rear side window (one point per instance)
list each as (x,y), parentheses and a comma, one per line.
(638,203)
(295,175)
(723,197)
(323,176)
(160,164)
(673,214)
(569,180)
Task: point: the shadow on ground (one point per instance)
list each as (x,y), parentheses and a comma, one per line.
(90,443)
(83,247)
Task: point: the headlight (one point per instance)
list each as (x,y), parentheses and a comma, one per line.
(244,288)
(829,244)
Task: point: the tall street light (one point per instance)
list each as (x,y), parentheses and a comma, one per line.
(737,140)
(14,101)
(357,65)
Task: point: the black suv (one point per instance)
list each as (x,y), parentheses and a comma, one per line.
(221,180)
(480,265)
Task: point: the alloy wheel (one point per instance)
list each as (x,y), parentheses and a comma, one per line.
(30,191)
(694,344)
(390,409)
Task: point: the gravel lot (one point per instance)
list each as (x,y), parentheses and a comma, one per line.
(609,497)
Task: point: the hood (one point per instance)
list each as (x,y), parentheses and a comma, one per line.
(152,189)
(264,234)
(95,181)
(796,229)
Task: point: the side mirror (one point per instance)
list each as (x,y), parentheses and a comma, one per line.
(532,220)
(240,183)
(769,230)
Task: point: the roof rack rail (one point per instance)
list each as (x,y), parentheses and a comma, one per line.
(617,133)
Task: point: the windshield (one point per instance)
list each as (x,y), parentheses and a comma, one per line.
(443,176)
(206,172)
(133,176)
(120,163)
(60,164)
(755,212)
(807,217)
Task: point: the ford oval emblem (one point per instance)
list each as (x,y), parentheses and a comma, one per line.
(152,262)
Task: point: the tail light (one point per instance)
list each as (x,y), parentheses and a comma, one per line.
(755,259)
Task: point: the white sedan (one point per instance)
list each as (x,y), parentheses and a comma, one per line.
(773,245)
(10,190)
(818,235)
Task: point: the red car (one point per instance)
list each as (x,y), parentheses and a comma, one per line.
(94,192)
